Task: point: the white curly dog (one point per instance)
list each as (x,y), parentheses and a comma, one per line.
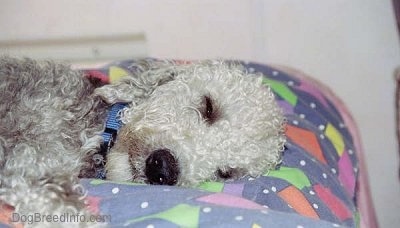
(185,124)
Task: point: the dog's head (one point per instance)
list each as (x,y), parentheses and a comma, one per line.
(195,122)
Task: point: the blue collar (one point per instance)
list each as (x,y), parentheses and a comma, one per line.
(113,124)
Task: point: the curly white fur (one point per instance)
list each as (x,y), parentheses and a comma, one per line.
(247,136)
(51,118)
(49,123)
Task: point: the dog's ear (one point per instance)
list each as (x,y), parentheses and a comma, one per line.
(137,87)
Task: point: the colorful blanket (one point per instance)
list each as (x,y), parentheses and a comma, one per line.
(313,187)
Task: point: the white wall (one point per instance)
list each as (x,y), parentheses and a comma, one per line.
(350,45)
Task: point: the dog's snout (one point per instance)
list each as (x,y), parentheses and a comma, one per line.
(162,168)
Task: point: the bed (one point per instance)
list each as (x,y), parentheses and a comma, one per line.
(322,181)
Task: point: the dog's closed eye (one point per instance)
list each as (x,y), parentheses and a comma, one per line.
(230,173)
(209,110)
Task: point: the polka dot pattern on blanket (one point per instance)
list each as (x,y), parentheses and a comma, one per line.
(315,183)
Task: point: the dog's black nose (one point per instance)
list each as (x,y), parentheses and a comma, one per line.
(162,168)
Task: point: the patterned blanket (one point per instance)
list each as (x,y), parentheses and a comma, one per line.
(313,187)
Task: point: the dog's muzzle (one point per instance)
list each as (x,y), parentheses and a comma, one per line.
(162,168)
